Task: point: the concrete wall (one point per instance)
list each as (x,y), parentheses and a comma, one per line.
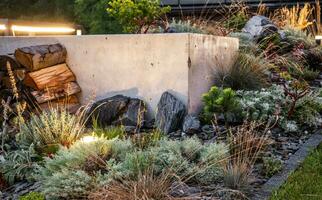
(142,66)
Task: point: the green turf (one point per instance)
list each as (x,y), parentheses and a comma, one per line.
(306,182)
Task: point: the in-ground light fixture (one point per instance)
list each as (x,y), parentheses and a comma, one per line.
(89,139)
(318,39)
(3,27)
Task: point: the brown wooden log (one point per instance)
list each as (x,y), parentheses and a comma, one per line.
(11,59)
(71,104)
(42,56)
(50,77)
(50,94)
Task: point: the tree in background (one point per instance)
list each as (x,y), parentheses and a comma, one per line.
(93,16)
(137,16)
(40,10)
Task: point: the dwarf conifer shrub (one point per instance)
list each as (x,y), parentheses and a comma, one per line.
(220,101)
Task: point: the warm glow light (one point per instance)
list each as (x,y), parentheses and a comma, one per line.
(318,37)
(33,29)
(78,32)
(3,27)
(89,139)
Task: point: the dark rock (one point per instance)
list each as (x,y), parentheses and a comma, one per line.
(20,189)
(171,30)
(180,189)
(130,129)
(133,115)
(176,134)
(191,125)
(149,124)
(260,27)
(118,110)
(170,113)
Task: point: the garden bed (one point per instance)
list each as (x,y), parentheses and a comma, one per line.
(253,125)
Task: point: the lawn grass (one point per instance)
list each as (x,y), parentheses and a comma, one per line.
(306,182)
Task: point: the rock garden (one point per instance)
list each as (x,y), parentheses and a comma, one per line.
(254,118)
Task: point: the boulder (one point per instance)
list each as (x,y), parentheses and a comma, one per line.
(170,113)
(191,125)
(118,110)
(260,27)
(133,115)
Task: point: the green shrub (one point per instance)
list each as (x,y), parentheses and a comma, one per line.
(50,128)
(220,101)
(167,154)
(69,174)
(307,110)
(261,105)
(271,166)
(212,161)
(93,16)
(184,26)
(294,37)
(68,184)
(33,196)
(134,15)
(109,132)
(145,140)
(19,165)
(249,72)
(133,165)
(120,148)
(191,149)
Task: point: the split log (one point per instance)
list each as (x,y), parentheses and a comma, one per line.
(42,56)
(50,77)
(50,94)
(11,59)
(71,104)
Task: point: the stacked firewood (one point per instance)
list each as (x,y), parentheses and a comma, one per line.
(42,77)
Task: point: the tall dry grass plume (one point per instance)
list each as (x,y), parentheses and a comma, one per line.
(247,142)
(296,17)
(20,105)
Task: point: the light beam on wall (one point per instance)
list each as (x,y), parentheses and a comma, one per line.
(33,29)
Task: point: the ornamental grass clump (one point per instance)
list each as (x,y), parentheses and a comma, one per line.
(248,72)
(247,142)
(49,129)
(147,186)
